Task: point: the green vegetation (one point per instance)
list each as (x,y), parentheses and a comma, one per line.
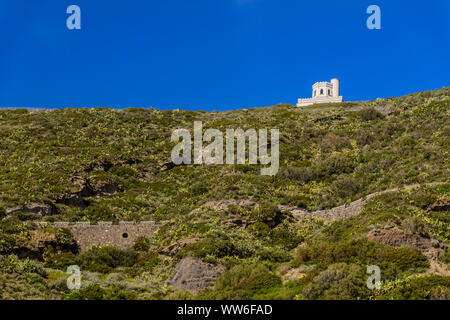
(109,165)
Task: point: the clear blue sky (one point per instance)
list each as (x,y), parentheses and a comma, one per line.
(217,54)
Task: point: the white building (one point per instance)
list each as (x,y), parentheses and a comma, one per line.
(323,92)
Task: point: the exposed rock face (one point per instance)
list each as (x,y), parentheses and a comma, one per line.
(83,189)
(41,209)
(397,238)
(441,205)
(336,213)
(168,166)
(40,239)
(193,275)
(174,247)
(224,204)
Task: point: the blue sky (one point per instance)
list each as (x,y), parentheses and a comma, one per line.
(217,54)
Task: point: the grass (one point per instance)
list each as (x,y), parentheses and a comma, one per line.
(105,164)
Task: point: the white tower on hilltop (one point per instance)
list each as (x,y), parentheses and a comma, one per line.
(335,84)
(323,92)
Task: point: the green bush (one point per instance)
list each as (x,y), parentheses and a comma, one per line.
(303,174)
(259,229)
(363,252)
(265,212)
(2,212)
(369,114)
(218,248)
(105,259)
(244,281)
(141,244)
(338,282)
(147,261)
(99,212)
(433,287)
(323,254)
(12,264)
(273,254)
(406,258)
(91,292)
(285,238)
(60,260)
(445,258)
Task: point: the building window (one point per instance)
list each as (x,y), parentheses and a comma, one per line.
(321,91)
(314,93)
(329,92)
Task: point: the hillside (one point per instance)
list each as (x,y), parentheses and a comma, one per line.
(260,236)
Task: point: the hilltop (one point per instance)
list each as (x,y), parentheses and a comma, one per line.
(259,236)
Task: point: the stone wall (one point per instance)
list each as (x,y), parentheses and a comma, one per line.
(121,235)
(319,99)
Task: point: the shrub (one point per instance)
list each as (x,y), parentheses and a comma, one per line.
(148,261)
(91,292)
(285,238)
(105,259)
(210,247)
(323,254)
(265,212)
(273,254)
(141,244)
(243,281)
(336,163)
(363,252)
(445,258)
(117,293)
(433,287)
(339,282)
(199,189)
(259,229)
(59,260)
(334,142)
(12,264)
(64,237)
(369,114)
(406,258)
(345,186)
(303,174)
(99,212)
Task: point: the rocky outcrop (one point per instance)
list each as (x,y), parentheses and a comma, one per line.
(193,275)
(176,246)
(168,166)
(41,238)
(336,213)
(397,238)
(441,205)
(224,204)
(40,209)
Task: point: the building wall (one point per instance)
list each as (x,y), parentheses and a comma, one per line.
(121,235)
(330,93)
(324,99)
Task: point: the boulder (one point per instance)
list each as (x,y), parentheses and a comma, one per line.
(193,275)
